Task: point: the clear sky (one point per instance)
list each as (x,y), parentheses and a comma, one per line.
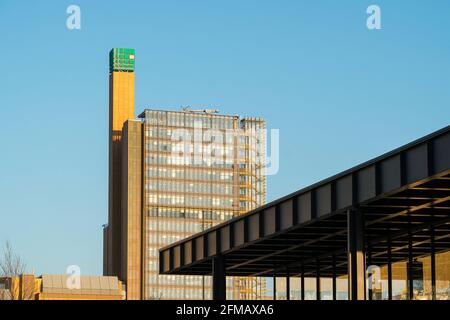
(339,93)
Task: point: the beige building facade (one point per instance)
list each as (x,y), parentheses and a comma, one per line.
(60,287)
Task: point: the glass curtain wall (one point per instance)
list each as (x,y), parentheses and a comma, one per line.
(193,180)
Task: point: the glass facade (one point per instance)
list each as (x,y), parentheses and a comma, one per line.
(377,283)
(421,273)
(121,59)
(200,169)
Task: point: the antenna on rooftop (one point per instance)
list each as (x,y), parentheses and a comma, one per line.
(189,109)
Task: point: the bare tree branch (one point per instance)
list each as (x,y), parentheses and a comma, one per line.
(12,265)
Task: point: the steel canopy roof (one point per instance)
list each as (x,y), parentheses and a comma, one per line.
(403,192)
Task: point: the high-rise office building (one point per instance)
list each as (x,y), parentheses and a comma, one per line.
(199,170)
(179,172)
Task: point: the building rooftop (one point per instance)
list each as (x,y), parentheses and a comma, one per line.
(196,112)
(88,284)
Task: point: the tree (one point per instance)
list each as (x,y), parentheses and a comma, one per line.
(13,266)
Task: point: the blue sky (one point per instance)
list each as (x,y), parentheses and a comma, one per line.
(339,93)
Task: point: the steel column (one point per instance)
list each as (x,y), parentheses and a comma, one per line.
(356,255)
(318,279)
(433,264)
(302,272)
(334,278)
(274,285)
(410,268)
(369,263)
(219,278)
(288,285)
(389,267)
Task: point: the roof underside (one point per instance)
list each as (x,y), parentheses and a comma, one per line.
(405,192)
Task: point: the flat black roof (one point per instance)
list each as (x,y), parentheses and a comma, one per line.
(404,190)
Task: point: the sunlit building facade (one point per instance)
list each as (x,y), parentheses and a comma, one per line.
(199,170)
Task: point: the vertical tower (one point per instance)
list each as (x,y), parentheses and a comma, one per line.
(131,214)
(121,109)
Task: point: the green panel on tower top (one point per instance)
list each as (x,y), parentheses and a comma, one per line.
(121,59)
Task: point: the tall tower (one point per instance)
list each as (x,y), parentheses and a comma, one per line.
(121,109)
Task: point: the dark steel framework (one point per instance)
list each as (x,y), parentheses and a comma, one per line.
(395,207)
